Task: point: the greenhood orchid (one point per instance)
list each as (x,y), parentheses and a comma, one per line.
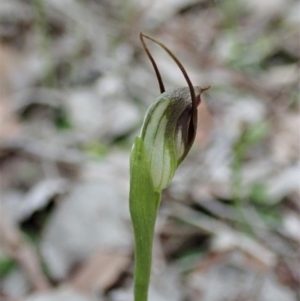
(169,128)
(167,135)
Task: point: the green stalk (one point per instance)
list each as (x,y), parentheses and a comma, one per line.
(144,203)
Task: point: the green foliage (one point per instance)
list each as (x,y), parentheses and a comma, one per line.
(62,121)
(6,266)
(258,193)
(96,149)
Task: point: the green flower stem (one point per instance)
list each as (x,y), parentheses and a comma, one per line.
(144,203)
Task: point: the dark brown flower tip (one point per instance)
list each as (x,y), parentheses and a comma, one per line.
(160,81)
(198,96)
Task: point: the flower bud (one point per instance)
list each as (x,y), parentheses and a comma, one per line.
(168,133)
(169,128)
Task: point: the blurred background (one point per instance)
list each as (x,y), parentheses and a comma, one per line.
(74,87)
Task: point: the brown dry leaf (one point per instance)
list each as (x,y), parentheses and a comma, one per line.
(100,272)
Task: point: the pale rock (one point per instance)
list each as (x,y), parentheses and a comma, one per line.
(89,219)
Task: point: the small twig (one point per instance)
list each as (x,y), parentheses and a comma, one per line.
(23,253)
